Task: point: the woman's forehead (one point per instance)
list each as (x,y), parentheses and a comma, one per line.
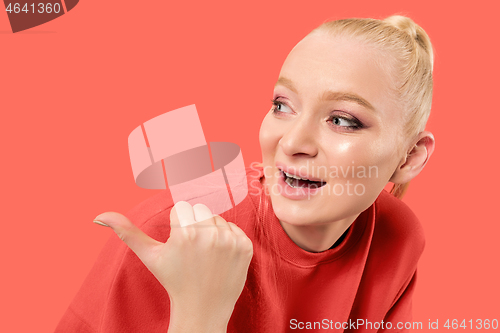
(322,49)
(322,63)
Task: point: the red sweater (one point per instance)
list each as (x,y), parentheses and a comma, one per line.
(367,279)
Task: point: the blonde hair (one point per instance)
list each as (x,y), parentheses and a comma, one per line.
(410,48)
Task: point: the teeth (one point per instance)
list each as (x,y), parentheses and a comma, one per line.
(293,176)
(289,182)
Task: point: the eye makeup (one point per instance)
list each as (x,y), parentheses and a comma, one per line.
(340,120)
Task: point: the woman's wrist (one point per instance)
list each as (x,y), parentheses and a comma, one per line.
(188,326)
(188,319)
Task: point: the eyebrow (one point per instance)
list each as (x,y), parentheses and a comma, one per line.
(329,95)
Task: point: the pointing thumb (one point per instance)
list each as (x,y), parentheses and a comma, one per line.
(112,220)
(136,239)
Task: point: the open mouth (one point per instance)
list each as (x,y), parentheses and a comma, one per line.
(298,182)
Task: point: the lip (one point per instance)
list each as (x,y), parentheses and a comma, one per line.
(299,193)
(293,170)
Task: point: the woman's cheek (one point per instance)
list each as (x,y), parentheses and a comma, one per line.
(377,162)
(269,137)
(365,162)
(265,137)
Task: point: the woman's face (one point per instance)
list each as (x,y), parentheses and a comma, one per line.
(333,121)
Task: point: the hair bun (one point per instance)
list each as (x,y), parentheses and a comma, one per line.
(418,34)
(405,24)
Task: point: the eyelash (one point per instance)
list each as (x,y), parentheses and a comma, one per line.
(357,124)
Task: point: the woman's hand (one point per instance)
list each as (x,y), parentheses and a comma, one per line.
(203,265)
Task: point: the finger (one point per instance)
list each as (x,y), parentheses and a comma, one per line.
(203,215)
(221,222)
(134,237)
(181,215)
(236,229)
(241,234)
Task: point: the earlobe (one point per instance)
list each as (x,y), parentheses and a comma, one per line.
(415,159)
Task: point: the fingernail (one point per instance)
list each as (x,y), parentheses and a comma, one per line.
(100,223)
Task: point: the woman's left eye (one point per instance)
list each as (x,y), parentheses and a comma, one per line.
(346,122)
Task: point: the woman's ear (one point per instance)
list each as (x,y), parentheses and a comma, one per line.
(415,160)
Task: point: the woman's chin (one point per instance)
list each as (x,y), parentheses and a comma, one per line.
(295,215)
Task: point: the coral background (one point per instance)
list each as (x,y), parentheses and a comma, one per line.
(73,89)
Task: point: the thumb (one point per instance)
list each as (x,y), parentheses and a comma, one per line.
(135,238)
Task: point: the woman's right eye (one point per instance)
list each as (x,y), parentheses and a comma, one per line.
(279,107)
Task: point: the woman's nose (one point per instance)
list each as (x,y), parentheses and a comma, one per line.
(300,138)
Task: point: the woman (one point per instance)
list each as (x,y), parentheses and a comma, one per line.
(317,244)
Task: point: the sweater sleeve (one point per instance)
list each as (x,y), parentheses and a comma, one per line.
(120,294)
(400,314)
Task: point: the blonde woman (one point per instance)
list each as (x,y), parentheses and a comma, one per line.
(318,243)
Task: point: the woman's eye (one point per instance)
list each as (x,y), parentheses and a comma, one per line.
(342,122)
(280,107)
(345,122)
